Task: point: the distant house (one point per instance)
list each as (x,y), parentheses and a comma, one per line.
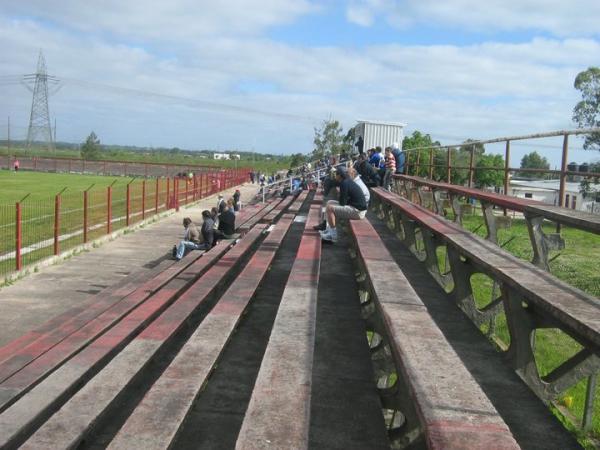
(547,191)
(221,156)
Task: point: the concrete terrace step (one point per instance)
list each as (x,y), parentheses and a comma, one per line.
(529,420)
(450,410)
(279,409)
(24,415)
(154,423)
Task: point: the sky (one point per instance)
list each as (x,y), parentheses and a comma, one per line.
(261,75)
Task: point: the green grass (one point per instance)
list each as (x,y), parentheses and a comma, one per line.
(43,186)
(576,265)
(38,209)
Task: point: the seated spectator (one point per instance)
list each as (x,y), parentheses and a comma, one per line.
(355,176)
(191,239)
(352,205)
(237,204)
(227,221)
(208,230)
(214,215)
(221,203)
(375,158)
(390,168)
(367,172)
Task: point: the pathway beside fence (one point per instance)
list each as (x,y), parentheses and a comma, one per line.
(34,230)
(29,302)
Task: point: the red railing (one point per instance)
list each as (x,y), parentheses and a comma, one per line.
(35,229)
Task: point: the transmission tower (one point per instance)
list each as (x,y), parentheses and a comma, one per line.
(42,85)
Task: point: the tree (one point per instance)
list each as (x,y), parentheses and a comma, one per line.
(587,112)
(297,159)
(91,147)
(484,176)
(328,139)
(533,160)
(419,140)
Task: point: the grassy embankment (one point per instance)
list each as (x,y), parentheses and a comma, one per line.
(577,265)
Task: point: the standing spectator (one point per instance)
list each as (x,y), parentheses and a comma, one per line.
(360,145)
(400,157)
(16,165)
(191,239)
(237,204)
(252,175)
(352,205)
(390,168)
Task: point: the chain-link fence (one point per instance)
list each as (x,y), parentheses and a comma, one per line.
(31,230)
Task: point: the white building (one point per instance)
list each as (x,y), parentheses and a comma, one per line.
(547,191)
(226,156)
(382,134)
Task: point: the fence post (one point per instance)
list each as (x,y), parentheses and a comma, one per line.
(449,166)
(506,167)
(85,216)
(431,164)
(168,199)
(108,210)
(156,197)
(56,223)
(406,163)
(176,191)
(186,189)
(143,199)
(18,237)
(127,203)
(563,169)
(588,411)
(471,157)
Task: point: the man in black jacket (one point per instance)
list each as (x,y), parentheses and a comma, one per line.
(227,221)
(352,204)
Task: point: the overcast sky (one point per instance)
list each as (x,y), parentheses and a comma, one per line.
(252,74)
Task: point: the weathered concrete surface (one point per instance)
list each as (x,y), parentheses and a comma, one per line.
(36,298)
(529,420)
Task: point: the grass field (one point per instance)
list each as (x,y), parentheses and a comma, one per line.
(43,186)
(37,217)
(577,265)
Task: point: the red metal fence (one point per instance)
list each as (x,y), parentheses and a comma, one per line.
(33,230)
(101,167)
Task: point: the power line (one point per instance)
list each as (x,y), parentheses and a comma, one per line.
(205,104)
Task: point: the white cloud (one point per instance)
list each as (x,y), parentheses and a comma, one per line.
(573,18)
(167,21)
(482,90)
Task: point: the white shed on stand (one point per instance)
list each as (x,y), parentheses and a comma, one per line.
(379,134)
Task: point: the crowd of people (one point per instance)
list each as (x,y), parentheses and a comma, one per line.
(217,223)
(351,184)
(262,178)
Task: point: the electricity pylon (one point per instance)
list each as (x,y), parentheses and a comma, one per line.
(40,129)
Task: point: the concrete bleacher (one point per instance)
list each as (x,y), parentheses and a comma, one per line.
(278,341)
